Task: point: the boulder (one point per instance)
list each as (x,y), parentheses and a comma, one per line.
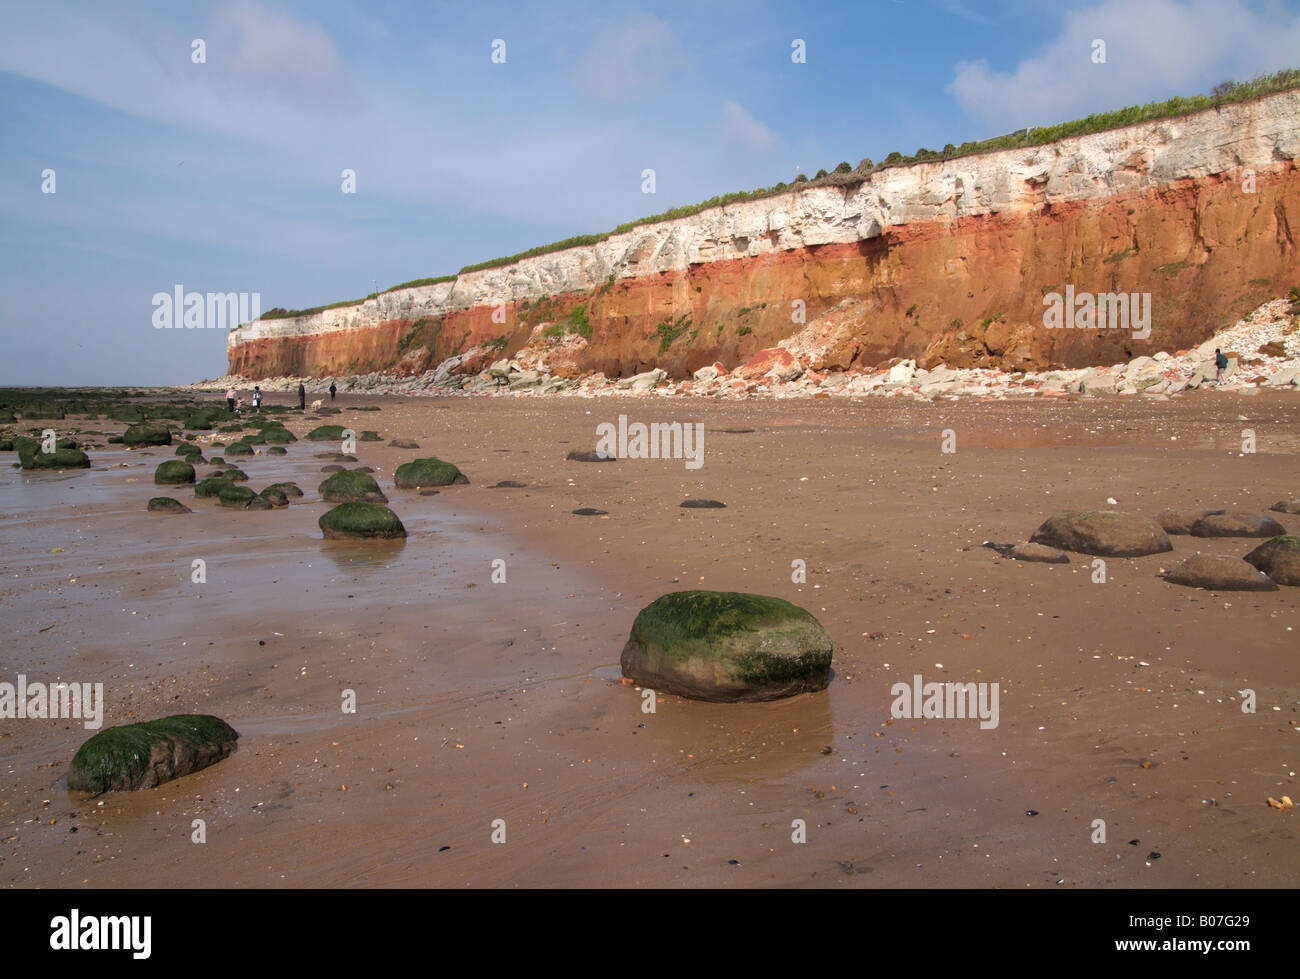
(277,435)
(165,504)
(775,362)
(326,433)
(1106,533)
(146,433)
(1286,506)
(60,458)
(1219,573)
(1027,551)
(350,485)
(140,756)
(404,444)
(289,489)
(361,521)
(275,497)
(1236,525)
(1278,558)
(427,472)
(524,379)
(173,472)
(727,646)
(235,497)
(902,373)
(643,382)
(239,449)
(1182,521)
(212,486)
(702,505)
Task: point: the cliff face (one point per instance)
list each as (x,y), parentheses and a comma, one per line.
(943,261)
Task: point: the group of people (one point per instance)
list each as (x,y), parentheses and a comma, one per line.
(235,403)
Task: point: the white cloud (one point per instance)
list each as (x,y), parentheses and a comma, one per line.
(629,58)
(1154,48)
(267,49)
(742,129)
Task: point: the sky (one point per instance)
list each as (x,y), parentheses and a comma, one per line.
(225,174)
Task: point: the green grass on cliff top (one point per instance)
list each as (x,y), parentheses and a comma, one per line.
(1224,93)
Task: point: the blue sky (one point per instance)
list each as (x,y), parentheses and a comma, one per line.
(225,176)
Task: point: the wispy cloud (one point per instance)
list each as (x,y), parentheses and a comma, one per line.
(630,58)
(743,130)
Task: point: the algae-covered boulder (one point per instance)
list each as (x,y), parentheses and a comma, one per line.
(326,433)
(277,450)
(165,504)
(349,485)
(173,472)
(361,521)
(58,459)
(1106,533)
(727,646)
(427,472)
(239,449)
(289,489)
(235,497)
(369,436)
(1279,558)
(235,475)
(212,486)
(189,449)
(140,756)
(1216,572)
(275,497)
(278,435)
(147,433)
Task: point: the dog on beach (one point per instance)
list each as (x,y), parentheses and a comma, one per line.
(315,405)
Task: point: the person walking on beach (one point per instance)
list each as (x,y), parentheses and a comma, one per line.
(230,399)
(257,399)
(332,390)
(302,396)
(1220,362)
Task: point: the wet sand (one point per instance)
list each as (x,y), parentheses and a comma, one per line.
(480,701)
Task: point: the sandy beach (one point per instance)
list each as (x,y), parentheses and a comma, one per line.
(482,701)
